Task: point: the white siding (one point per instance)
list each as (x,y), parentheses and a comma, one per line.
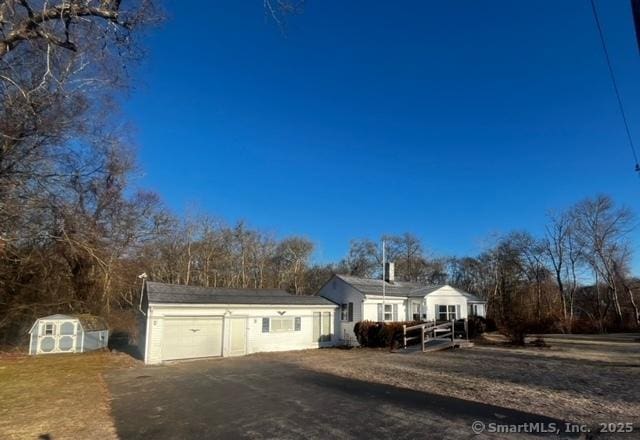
(257,341)
(340,292)
(371,307)
(446,295)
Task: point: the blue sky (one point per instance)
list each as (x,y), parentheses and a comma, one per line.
(451,120)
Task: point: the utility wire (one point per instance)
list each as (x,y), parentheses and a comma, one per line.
(615,84)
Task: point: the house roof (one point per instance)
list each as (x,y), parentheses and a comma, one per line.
(471,297)
(370,286)
(179,294)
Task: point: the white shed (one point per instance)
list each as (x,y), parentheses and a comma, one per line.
(68,334)
(185,322)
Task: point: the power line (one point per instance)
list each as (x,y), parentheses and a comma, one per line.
(615,84)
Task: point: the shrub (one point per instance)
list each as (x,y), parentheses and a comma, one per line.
(517,329)
(477,325)
(380,334)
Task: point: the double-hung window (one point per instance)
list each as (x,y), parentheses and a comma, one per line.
(387,312)
(346,312)
(447,313)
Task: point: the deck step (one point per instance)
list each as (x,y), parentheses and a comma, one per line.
(429,347)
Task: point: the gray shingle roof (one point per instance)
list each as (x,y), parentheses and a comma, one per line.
(178,294)
(90,323)
(471,297)
(370,286)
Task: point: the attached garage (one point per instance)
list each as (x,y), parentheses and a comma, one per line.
(185,337)
(187,322)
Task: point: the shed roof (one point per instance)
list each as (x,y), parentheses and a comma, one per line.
(179,294)
(89,323)
(92,323)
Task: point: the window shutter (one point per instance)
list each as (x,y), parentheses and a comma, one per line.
(458,314)
(380,317)
(298,324)
(265,325)
(350,312)
(395,312)
(436,311)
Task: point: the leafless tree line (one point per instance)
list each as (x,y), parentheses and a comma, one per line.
(206,252)
(75,232)
(577,273)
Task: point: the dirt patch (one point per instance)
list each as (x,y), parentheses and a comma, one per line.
(585,383)
(63,396)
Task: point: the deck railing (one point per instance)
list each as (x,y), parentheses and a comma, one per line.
(430,330)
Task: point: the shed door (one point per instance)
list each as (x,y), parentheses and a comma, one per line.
(57,336)
(184,338)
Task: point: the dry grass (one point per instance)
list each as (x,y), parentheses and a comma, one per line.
(579,382)
(63,396)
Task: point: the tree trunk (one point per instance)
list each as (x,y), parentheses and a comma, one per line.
(634,305)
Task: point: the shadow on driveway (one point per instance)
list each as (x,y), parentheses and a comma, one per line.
(251,398)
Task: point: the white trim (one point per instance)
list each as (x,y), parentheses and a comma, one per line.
(146,335)
(387,298)
(245,306)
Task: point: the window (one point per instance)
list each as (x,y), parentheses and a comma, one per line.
(415,311)
(476,310)
(346,312)
(388,312)
(265,325)
(446,313)
(282,324)
(49,329)
(298,323)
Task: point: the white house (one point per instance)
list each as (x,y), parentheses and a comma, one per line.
(362,299)
(183,322)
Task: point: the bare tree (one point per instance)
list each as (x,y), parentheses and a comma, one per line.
(563,254)
(601,231)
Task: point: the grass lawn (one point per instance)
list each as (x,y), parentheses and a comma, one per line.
(589,381)
(586,380)
(63,396)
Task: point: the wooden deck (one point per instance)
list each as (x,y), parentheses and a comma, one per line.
(433,337)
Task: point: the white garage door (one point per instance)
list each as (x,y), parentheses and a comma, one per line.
(185,338)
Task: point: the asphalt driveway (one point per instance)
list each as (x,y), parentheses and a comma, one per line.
(258,398)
